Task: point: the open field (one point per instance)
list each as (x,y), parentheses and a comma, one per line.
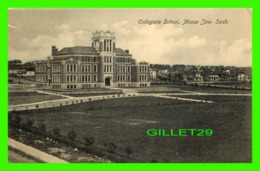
(15,98)
(216,98)
(125,122)
(204,89)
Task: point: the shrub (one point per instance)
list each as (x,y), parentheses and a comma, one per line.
(72,135)
(56,131)
(129,150)
(90,140)
(111,147)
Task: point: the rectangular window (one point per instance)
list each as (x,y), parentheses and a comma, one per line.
(82,68)
(128,68)
(68,78)
(75,79)
(129,78)
(94,68)
(82,78)
(71,78)
(94,78)
(89,68)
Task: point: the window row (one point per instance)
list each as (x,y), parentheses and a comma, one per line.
(71,68)
(71,86)
(108,68)
(41,78)
(41,68)
(143,77)
(56,78)
(89,59)
(88,78)
(143,69)
(124,85)
(123,60)
(56,86)
(124,68)
(56,68)
(124,78)
(71,78)
(108,59)
(88,68)
(108,45)
(143,85)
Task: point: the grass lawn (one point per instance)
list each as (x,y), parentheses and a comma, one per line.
(15,98)
(125,122)
(204,89)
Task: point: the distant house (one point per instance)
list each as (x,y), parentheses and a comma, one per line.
(211,78)
(195,74)
(209,75)
(21,70)
(163,73)
(153,74)
(241,76)
(180,75)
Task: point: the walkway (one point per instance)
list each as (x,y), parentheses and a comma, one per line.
(127,93)
(37,154)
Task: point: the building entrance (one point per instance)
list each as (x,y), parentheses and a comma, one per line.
(107,81)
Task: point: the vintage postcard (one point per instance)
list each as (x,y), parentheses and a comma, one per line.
(164,85)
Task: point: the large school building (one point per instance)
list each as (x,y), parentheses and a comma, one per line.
(101,65)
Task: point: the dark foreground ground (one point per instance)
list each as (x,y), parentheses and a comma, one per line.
(125,122)
(15,156)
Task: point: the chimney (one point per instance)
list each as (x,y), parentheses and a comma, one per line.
(127,51)
(54,51)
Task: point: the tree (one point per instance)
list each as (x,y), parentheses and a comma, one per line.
(72,135)
(14,62)
(90,140)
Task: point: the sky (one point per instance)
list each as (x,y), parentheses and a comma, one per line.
(32,32)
